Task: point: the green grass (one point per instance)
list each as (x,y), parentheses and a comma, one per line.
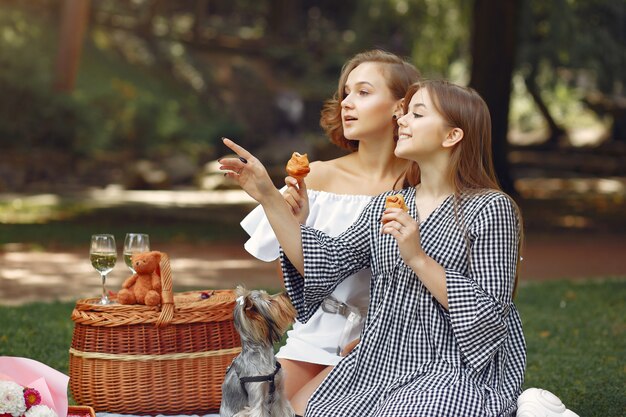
(41,331)
(574,333)
(575,342)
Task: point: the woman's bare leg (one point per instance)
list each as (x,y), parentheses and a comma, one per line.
(297,374)
(301,398)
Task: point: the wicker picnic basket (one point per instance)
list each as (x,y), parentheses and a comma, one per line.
(134,359)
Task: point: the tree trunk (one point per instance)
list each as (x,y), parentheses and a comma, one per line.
(493,47)
(74,17)
(556,131)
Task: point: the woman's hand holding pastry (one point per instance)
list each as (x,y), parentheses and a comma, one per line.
(399,224)
(297,198)
(248,171)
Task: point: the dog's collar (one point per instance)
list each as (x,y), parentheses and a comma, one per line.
(261,378)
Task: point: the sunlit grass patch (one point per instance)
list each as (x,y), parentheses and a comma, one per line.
(40,208)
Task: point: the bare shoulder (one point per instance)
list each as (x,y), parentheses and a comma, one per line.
(324,174)
(319,175)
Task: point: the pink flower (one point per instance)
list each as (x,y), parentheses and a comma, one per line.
(31,397)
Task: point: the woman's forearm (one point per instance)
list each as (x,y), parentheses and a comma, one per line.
(286,228)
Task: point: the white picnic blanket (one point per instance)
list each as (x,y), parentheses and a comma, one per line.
(534,402)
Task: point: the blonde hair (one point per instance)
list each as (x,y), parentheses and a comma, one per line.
(471,169)
(399,75)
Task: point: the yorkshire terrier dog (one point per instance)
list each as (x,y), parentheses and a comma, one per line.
(253,385)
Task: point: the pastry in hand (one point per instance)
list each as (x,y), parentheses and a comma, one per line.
(298,166)
(396,201)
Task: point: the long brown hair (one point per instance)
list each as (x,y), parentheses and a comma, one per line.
(471,169)
(399,75)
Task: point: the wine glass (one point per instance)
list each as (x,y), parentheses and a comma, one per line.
(135,243)
(103,255)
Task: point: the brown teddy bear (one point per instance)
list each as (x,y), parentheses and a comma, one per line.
(144,286)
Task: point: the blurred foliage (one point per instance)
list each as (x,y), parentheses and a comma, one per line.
(115,106)
(434,33)
(159,77)
(571,51)
(578,41)
(31,114)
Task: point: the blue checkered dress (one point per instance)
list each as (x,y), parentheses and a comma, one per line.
(416,358)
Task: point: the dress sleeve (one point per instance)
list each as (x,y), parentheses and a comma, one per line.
(327,262)
(479,304)
(262,243)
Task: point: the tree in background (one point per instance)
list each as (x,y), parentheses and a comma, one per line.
(493,46)
(206,68)
(434,34)
(579,43)
(74,17)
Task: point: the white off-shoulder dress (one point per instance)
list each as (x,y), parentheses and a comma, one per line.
(317,340)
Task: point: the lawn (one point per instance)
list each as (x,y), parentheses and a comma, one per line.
(574,332)
(575,341)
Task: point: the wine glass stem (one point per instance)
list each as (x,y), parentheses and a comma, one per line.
(104,299)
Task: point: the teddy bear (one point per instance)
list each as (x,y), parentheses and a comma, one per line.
(144,286)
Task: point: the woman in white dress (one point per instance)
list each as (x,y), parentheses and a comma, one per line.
(360,118)
(442,336)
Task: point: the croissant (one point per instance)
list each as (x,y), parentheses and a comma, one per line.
(298,166)
(396,201)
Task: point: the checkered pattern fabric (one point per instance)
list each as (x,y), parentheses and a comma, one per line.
(415,357)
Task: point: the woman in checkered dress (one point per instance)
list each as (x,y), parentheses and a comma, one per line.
(442,336)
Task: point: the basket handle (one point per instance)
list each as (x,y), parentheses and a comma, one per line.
(167,293)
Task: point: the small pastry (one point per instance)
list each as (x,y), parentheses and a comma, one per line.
(395,201)
(298,166)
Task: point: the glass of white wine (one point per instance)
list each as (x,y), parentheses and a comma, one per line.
(135,243)
(103,255)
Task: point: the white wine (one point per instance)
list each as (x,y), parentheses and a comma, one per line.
(127,260)
(103,256)
(103,261)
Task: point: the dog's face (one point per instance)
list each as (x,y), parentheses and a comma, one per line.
(261,318)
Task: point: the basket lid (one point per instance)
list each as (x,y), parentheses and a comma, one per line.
(188,307)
